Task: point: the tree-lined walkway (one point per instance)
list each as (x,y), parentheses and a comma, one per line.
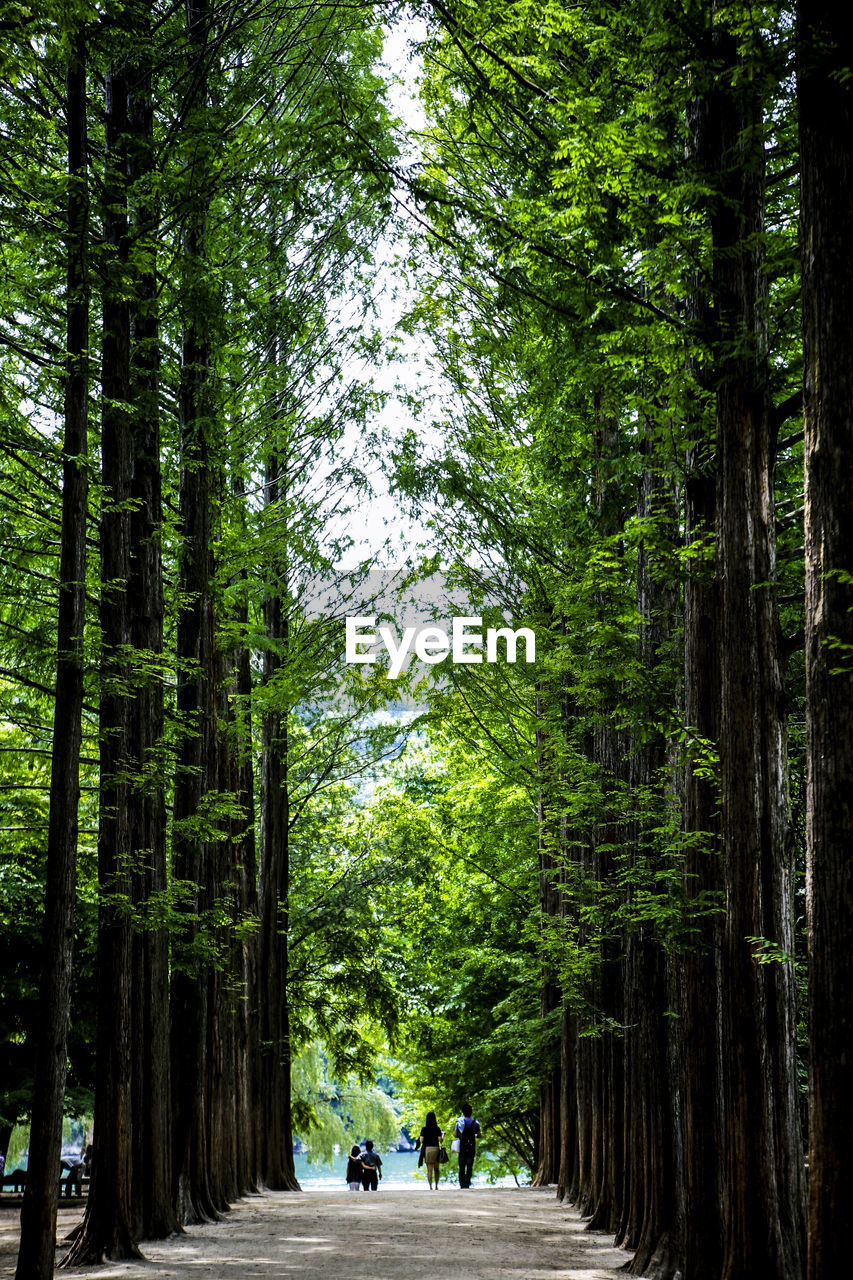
(483,1234)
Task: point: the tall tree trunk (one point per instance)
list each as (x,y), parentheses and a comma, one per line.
(764,1223)
(246,962)
(107,1230)
(567,1177)
(277,1169)
(38,1216)
(606,999)
(699,1049)
(569,1151)
(584,1048)
(153,1214)
(190,994)
(608,752)
(550,997)
(220,1109)
(649,1209)
(826,150)
(197,769)
(550,1103)
(190,1006)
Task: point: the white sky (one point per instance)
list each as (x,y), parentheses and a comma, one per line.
(381,529)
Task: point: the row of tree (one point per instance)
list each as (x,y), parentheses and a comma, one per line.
(628,237)
(190,211)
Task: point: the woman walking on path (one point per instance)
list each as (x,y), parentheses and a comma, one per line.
(353,1178)
(430,1139)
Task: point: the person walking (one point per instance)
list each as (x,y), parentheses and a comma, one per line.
(429,1140)
(371,1169)
(467,1130)
(354,1170)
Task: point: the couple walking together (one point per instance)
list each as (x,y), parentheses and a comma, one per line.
(466,1132)
(364,1169)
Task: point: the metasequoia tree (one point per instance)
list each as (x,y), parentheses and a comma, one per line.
(276,1161)
(196,782)
(151,1198)
(42,355)
(280,404)
(107,1229)
(826,118)
(38,1216)
(698,1055)
(763,1180)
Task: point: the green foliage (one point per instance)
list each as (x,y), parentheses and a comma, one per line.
(462,936)
(562,260)
(329,1113)
(562,238)
(294,152)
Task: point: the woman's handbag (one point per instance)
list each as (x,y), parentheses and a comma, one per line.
(421,1158)
(443,1157)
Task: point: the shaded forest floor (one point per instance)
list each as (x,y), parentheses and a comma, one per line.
(482,1234)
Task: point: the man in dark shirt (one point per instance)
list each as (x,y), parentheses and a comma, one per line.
(467,1131)
(371,1169)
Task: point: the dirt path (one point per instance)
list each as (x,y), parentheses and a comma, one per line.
(397,1234)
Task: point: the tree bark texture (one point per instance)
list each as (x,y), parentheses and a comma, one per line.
(153,1214)
(608,752)
(649,1208)
(107,1230)
(277,1170)
(197,777)
(763,1185)
(249,1043)
(38,1216)
(826,149)
(550,1087)
(699,1060)
(567,1178)
(248,1048)
(197,752)
(221,1088)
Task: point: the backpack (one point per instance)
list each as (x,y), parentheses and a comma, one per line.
(467,1133)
